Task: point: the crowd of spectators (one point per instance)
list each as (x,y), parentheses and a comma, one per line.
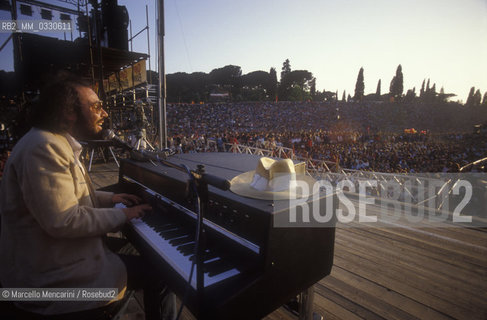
(362,137)
(367,136)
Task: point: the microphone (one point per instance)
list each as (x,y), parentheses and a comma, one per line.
(139,155)
(108,134)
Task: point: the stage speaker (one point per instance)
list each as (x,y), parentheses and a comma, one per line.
(115,22)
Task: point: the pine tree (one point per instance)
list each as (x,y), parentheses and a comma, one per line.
(377,91)
(359,86)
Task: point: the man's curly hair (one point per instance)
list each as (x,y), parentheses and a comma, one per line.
(58,99)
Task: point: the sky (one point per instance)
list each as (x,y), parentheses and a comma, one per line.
(444,40)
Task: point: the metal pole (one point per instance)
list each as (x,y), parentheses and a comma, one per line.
(162,77)
(148,38)
(130,24)
(17,53)
(90,43)
(16,42)
(101,89)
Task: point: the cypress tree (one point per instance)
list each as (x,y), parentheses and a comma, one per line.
(397,86)
(359,86)
(477,98)
(470,97)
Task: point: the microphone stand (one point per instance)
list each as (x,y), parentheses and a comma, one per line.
(198,187)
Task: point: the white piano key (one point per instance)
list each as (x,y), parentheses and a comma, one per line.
(180,263)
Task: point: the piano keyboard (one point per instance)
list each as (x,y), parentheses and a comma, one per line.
(250,267)
(175,244)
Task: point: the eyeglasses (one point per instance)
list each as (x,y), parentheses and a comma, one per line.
(97,106)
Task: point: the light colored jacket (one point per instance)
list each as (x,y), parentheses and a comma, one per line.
(51,236)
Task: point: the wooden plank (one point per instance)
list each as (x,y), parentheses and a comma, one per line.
(415,287)
(420,280)
(408,305)
(333,304)
(365,299)
(466,235)
(437,251)
(402,256)
(330,310)
(475,254)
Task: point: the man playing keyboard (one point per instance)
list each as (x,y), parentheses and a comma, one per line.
(53,221)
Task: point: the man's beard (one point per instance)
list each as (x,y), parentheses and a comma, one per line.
(85,129)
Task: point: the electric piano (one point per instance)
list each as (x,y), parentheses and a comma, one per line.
(250,266)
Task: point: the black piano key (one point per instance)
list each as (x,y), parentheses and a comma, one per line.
(182,240)
(172,234)
(187,249)
(164,227)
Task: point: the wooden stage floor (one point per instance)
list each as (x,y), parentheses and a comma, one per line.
(393,273)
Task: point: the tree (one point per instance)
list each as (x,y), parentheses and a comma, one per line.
(421,92)
(296,78)
(377,91)
(343,96)
(272,85)
(359,86)
(183,87)
(255,79)
(298,94)
(254,85)
(226,75)
(410,95)
(312,89)
(328,96)
(470,97)
(230,76)
(397,87)
(477,98)
(484,100)
(286,68)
